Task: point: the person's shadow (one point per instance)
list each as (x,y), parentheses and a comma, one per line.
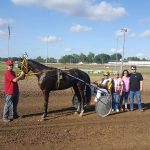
(145,106)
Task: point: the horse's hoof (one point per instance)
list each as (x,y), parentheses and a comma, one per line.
(43,116)
(41,120)
(75,113)
(80,115)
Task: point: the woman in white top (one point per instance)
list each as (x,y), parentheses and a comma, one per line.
(117,92)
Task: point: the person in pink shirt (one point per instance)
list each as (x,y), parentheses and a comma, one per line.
(126,88)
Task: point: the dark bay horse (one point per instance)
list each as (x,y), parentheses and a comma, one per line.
(51,79)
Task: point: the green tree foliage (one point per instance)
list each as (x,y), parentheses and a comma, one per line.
(91,57)
(133,59)
(40,59)
(102,58)
(83,58)
(76,58)
(65,59)
(115,57)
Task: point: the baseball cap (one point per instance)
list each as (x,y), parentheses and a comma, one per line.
(9,62)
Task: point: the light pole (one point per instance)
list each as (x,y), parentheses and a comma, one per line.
(8,39)
(47,49)
(124,30)
(117,53)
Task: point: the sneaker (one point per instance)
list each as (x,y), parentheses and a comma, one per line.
(6,120)
(131,109)
(141,110)
(117,110)
(112,110)
(16,117)
(122,109)
(126,109)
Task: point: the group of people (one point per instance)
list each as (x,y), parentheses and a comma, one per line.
(123,87)
(120,86)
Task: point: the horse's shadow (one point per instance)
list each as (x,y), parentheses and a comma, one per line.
(62,112)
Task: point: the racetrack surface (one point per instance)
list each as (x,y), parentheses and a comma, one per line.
(64,130)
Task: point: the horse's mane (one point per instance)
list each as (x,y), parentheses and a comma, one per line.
(39,65)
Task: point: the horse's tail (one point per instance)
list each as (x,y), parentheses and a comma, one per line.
(88,90)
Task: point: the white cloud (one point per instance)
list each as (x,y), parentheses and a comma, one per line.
(140,55)
(80,28)
(128,34)
(120,33)
(68,50)
(51,39)
(114,50)
(101,11)
(5,22)
(3,34)
(145,34)
(4,27)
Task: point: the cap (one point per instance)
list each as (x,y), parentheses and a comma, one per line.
(106,72)
(9,62)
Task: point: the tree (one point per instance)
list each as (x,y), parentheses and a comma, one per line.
(133,59)
(52,60)
(90,57)
(115,57)
(76,58)
(65,59)
(82,58)
(39,59)
(102,58)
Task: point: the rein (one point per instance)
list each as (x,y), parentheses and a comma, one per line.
(25,65)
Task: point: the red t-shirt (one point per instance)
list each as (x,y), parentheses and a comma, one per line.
(10,86)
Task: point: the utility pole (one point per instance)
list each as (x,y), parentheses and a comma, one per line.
(47,49)
(8,40)
(124,30)
(117,53)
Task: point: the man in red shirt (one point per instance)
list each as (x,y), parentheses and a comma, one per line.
(11,91)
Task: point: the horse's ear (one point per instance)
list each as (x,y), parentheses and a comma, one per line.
(25,55)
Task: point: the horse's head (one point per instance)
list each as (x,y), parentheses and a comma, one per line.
(23,65)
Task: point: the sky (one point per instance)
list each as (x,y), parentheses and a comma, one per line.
(54,28)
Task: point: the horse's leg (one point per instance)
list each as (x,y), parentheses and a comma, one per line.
(81,88)
(46,97)
(76,90)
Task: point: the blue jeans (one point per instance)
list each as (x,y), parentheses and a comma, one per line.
(124,98)
(11,102)
(137,95)
(116,101)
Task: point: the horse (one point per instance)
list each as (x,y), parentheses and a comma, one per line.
(51,79)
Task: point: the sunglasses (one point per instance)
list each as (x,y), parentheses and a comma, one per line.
(105,75)
(133,69)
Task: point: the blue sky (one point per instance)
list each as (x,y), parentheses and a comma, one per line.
(62,27)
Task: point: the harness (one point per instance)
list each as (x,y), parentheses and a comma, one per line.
(24,68)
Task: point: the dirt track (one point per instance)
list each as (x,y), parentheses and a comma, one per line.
(64,130)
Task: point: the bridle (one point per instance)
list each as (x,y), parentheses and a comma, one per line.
(24,66)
